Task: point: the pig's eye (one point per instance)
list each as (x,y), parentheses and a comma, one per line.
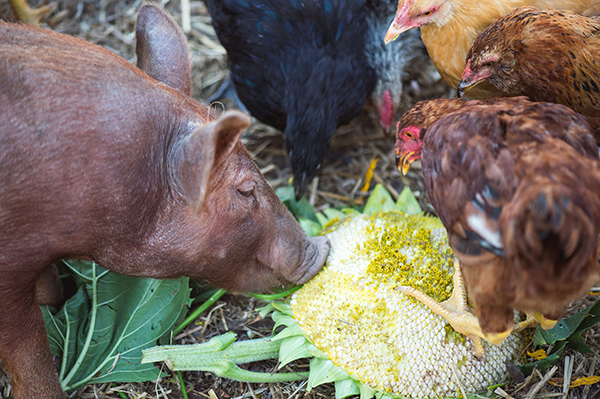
(246,193)
(246,189)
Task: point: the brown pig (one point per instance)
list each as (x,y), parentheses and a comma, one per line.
(106,161)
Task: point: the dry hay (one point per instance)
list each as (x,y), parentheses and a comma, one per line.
(110,23)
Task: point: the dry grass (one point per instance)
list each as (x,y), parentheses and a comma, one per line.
(110,23)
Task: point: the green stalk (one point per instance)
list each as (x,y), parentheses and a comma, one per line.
(221,355)
(273,297)
(194,315)
(182,384)
(63,363)
(90,334)
(121,394)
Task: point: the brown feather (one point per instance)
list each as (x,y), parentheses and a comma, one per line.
(546,55)
(505,177)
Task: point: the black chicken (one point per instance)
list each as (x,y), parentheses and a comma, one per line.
(299,66)
(390,62)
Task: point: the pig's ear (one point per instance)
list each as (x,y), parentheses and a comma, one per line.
(161,48)
(204,151)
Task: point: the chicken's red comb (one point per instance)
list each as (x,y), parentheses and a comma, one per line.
(468,71)
(387,112)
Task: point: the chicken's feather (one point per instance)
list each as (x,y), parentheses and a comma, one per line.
(516,184)
(547,55)
(297,65)
(448,39)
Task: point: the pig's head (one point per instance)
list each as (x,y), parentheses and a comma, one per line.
(249,239)
(234,231)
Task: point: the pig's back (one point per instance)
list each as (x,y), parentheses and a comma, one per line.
(82,137)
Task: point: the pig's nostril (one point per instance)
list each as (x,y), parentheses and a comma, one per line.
(316,255)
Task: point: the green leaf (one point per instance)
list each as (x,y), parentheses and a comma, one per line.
(265,310)
(545,363)
(310,227)
(323,371)
(567,332)
(345,388)
(379,200)
(592,316)
(322,219)
(407,202)
(282,319)
(366,392)
(566,327)
(332,213)
(300,208)
(292,348)
(316,352)
(101,331)
(284,308)
(561,331)
(289,331)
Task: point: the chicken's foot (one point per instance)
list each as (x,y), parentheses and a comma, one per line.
(33,16)
(457,312)
(532,320)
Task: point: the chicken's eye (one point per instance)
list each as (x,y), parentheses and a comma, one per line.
(409,135)
(489,64)
(427,13)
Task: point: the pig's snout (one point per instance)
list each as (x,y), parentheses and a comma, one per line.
(313,260)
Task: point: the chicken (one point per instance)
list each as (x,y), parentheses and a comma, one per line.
(389,62)
(546,55)
(448,28)
(516,185)
(31,16)
(299,66)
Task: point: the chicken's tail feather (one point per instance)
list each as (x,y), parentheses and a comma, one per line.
(555,229)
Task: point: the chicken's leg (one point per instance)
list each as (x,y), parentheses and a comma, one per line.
(33,16)
(533,319)
(456,311)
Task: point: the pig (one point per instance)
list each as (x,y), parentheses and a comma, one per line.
(103,160)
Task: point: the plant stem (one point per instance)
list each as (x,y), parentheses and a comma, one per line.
(91,328)
(182,384)
(221,355)
(272,297)
(194,315)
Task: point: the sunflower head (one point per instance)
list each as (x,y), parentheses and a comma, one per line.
(390,342)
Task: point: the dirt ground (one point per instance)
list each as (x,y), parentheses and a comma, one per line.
(110,23)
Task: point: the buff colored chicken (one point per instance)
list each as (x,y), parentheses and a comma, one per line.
(449,27)
(545,55)
(505,177)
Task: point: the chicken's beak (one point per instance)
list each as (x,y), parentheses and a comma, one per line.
(464,86)
(468,80)
(403,162)
(401,23)
(394,31)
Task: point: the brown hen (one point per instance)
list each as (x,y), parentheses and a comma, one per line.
(505,177)
(448,28)
(546,55)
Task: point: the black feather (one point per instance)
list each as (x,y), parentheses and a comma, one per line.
(299,66)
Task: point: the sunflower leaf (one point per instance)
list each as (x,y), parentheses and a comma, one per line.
(100,332)
(345,388)
(379,200)
(407,202)
(291,349)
